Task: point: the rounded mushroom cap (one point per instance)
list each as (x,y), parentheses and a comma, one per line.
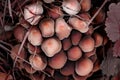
(58,61)
(62,29)
(87,44)
(19,32)
(85,5)
(47,27)
(74,53)
(32,13)
(78,24)
(71,7)
(37,62)
(51,46)
(35,37)
(14,52)
(84,67)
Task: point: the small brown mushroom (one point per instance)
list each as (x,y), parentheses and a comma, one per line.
(83,67)
(37,62)
(35,37)
(75,37)
(62,29)
(66,43)
(87,44)
(58,61)
(74,53)
(51,46)
(78,24)
(47,27)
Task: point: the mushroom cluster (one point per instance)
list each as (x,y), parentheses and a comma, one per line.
(56,39)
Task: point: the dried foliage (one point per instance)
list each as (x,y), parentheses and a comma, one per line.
(110,65)
(113,22)
(113,27)
(116,49)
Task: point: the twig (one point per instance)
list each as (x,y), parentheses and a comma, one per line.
(4,14)
(10,10)
(105,1)
(21,46)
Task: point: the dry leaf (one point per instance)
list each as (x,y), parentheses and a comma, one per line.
(110,65)
(116,49)
(113,22)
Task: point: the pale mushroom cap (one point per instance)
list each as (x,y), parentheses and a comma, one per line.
(32,13)
(78,24)
(58,61)
(35,37)
(37,62)
(51,46)
(71,7)
(47,27)
(62,29)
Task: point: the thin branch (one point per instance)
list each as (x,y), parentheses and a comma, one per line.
(21,46)
(10,10)
(105,1)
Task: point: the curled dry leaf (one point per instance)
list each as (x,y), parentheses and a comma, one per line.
(116,49)
(110,65)
(113,22)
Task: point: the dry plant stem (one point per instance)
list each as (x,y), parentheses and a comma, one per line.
(1,69)
(4,14)
(1,46)
(10,9)
(105,1)
(3,42)
(21,47)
